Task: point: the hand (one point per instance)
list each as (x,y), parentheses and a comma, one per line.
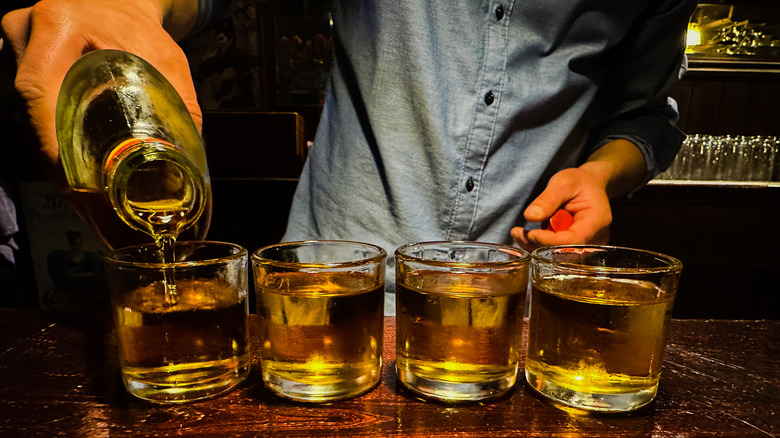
(585,191)
(50,36)
(580,192)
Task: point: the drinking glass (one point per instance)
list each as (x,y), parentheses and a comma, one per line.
(459,318)
(598,324)
(321,307)
(181,327)
(701,146)
(763,150)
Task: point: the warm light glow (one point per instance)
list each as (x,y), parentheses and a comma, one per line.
(693,36)
(317,365)
(452,366)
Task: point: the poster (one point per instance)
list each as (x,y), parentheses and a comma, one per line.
(67,256)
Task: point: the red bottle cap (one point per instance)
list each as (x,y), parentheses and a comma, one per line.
(561,220)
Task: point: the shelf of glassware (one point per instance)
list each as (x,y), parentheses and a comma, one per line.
(714,184)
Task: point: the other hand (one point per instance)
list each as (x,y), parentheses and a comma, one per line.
(613,169)
(580,193)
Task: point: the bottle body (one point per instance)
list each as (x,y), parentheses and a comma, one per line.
(131,151)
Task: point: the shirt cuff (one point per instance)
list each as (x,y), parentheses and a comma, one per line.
(210,11)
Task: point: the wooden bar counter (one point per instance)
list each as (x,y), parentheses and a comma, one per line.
(59,377)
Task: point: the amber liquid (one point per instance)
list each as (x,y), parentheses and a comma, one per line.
(160,196)
(596,336)
(114,232)
(194,349)
(459,336)
(323,341)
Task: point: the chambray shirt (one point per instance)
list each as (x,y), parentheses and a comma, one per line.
(444,119)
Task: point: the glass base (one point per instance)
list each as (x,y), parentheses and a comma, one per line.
(599,402)
(194,390)
(455,391)
(320,393)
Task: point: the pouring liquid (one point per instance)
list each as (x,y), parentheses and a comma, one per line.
(161,197)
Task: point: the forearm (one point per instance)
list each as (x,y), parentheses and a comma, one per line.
(618,165)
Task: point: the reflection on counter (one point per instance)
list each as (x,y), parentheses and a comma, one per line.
(725,158)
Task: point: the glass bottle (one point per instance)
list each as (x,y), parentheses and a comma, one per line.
(131,151)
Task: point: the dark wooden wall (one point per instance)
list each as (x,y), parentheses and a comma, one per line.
(728,239)
(729,102)
(255,159)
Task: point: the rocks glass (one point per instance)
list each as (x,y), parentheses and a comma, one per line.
(321,307)
(181,327)
(598,325)
(459,318)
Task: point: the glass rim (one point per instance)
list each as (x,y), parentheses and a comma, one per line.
(380,255)
(239,252)
(523,256)
(673,264)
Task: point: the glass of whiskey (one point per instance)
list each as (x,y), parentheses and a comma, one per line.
(321,311)
(181,325)
(598,325)
(459,318)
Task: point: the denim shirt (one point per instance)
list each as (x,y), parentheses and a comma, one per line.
(444,119)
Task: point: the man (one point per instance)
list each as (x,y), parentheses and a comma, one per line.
(453,119)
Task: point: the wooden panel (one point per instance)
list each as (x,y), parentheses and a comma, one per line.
(251,212)
(733,108)
(725,237)
(729,104)
(704,107)
(255,159)
(763,113)
(242,144)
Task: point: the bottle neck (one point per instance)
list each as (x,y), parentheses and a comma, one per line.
(126,148)
(153,186)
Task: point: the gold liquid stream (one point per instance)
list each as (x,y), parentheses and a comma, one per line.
(166,243)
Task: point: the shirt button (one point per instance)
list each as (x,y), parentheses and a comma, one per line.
(499,12)
(489,98)
(469,184)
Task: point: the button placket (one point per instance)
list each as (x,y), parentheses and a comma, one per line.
(465,210)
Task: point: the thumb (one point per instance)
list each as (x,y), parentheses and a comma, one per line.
(561,189)
(543,206)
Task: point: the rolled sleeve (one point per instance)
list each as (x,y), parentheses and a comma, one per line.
(210,11)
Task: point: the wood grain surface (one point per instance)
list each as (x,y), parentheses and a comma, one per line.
(59,377)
